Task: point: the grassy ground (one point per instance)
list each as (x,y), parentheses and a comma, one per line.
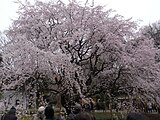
(119,116)
(106,116)
(98,115)
(27,118)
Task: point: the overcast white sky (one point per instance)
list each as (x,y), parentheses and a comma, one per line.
(146,10)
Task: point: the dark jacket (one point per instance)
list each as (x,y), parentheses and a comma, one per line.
(136,116)
(71,116)
(84,116)
(11,115)
(50,118)
(49,113)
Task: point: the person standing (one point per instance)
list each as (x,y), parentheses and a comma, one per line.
(149,107)
(49,113)
(40,113)
(136,116)
(11,115)
(77,109)
(84,116)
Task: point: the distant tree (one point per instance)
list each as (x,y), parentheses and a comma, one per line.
(144,67)
(152,31)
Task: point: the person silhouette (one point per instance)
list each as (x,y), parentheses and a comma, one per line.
(49,113)
(11,115)
(136,116)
